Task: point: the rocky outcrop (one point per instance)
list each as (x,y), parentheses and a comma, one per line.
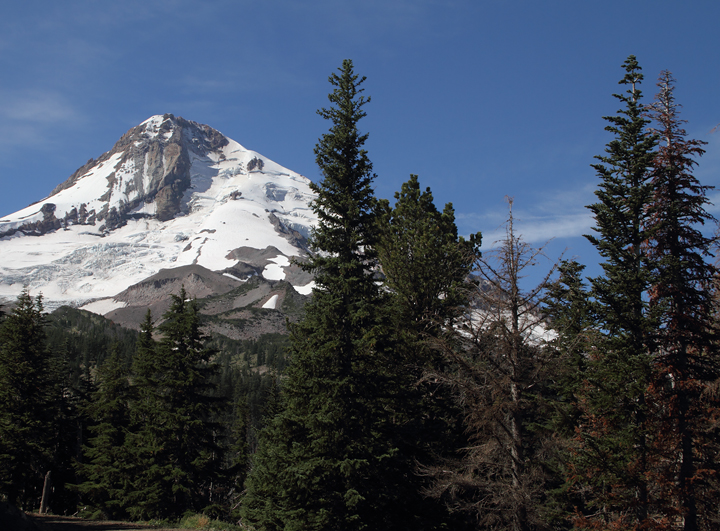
(231,308)
(255,164)
(48,223)
(198,282)
(290,234)
(159,154)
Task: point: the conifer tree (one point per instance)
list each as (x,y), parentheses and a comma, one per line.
(426,268)
(174,430)
(239,451)
(67,431)
(105,471)
(191,409)
(570,314)
(26,403)
(686,362)
(424,262)
(569,310)
(612,452)
(144,490)
(329,460)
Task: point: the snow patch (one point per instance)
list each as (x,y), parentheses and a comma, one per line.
(275,271)
(103,306)
(271,303)
(306,289)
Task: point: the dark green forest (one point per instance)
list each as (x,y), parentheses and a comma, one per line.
(426,386)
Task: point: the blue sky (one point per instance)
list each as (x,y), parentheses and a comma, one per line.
(481,99)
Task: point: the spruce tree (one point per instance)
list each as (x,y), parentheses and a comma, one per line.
(570,314)
(67,431)
(105,471)
(191,431)
(612,454)
(686,362)
(329,460)
(425,264)
(426,267)
(569,310)
(239,451)
(26,403)
(144,491)
(173,439)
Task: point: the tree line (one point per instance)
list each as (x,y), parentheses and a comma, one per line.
(427,387)
(80,395)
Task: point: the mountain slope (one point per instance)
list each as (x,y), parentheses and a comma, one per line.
(170,193)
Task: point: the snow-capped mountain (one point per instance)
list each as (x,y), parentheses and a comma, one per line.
(170,193)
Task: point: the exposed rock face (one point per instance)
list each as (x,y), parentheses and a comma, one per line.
(154,292)
(290,234)
(234,309)
(154,159)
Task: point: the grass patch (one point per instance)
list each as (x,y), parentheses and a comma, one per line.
(205,523)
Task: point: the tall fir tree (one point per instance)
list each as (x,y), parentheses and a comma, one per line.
(104,471)
(611,458)
(686,362)
(569,310)
(26,403)
(67,428)
(425,264)
(329,459)
(191,407)
(144,490)
(174,435)
(570,314)
(426,267)
(238,453)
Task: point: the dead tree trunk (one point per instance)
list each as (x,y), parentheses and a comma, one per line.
(45,501)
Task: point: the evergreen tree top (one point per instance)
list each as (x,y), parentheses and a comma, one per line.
(624,193)
(630,123)
(339,152)
(633,74)
(345,202)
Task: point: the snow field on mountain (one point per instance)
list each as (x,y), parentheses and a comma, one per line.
(103,306)
(87,189)
(152,125)
(306,289)
(74,265)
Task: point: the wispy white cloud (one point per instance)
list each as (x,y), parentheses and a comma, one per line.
(554,214)
(538,230)
(714,206)
(260,74)
(562,213)
(708,171)
(30,116)
(37,106)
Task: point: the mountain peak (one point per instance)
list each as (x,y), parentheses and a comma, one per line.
(168,183)
(151,162)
